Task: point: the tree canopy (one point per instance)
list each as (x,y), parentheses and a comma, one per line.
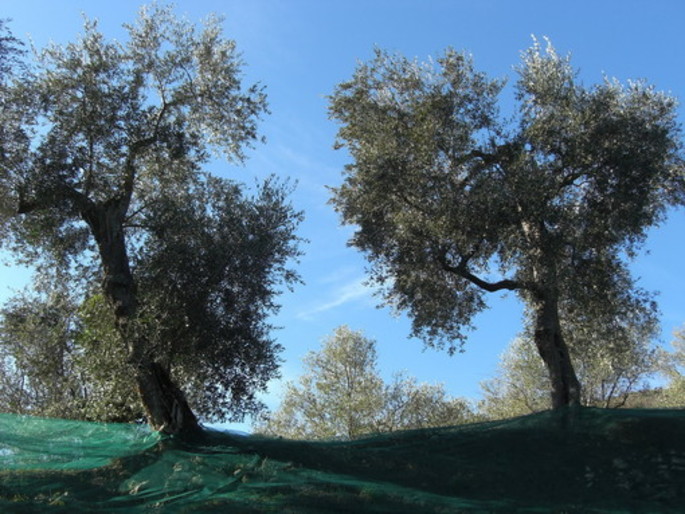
(103,147)
(451,200)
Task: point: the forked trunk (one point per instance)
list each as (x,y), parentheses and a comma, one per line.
(554,352)
(165,404)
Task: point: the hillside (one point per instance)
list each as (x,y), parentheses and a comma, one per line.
(585,460)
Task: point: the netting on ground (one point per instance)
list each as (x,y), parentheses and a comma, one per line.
(580,460)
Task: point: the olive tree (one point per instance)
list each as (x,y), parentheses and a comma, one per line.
(452,201)
(338,396)
(102,153)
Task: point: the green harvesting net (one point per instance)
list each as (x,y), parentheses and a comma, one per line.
(584,460)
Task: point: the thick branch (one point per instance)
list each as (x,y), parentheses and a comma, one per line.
(462,271)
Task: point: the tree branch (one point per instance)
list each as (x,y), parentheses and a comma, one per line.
(462,271)
(137,146)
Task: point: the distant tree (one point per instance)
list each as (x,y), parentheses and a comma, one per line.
(102,177)
(615,357)
(451,201)
(409,405)
(342,396)
(613,362)
(339,396)
(673,367)
(520,386)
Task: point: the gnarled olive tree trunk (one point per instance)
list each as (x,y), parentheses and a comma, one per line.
(554,351)
(165,404)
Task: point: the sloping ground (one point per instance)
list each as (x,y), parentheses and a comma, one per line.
(585,460)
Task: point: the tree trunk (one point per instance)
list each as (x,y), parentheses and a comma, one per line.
(554,352)
(166,406)
(545,305)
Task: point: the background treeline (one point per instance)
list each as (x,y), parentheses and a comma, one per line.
(342,395)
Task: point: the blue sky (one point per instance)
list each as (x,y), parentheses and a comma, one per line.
(300,49)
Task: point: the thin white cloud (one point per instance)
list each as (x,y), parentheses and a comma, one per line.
(347,293)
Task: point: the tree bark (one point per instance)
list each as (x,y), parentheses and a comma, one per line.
(544,298)
(165,404)
(554,352)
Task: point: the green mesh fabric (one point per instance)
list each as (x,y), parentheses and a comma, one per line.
(40,443)
(580,460)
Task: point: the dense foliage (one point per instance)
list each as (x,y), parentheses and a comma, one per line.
(63,359)
(210,269)
(452,201)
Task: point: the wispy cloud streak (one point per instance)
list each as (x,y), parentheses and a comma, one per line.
(347,293)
